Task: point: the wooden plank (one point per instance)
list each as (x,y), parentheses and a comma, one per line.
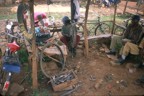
(97,37)
(53,50)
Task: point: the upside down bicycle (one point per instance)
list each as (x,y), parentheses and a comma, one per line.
(51,52)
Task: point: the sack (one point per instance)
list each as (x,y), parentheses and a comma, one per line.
(11,64)
(115,1)
(14,68)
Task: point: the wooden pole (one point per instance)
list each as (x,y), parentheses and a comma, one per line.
(85,29)
(34,49)
(72,17)
(114,19)
(125,7)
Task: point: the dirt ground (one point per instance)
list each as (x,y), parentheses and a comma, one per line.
(115,80)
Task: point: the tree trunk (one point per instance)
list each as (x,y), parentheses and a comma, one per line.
(34,49)
(85,28)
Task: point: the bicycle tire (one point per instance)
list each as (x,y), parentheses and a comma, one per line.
(119,30)
(45,65)
(102,28)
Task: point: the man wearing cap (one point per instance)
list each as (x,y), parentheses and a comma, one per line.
(70,37)
(130,42)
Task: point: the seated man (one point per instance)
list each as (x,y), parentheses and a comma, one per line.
(70,37)
(129,42)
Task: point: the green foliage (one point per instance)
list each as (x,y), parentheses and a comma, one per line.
(6,16)
(23,55)
(41,92)
(118,47)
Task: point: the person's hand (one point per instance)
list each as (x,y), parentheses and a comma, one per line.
(124,41)
(141,51)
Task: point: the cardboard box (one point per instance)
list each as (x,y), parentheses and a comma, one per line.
(64,85)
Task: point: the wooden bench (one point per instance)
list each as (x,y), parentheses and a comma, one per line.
(97,37)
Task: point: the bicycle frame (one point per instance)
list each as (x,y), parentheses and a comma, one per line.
(98,23)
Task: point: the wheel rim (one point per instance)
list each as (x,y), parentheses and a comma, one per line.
(102,29)
(51,64)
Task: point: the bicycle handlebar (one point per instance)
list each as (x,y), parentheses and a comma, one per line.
(12,36)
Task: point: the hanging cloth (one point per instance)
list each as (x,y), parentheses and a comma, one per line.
(75,10)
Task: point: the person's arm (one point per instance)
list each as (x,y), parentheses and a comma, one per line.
(66,30)
(126,34)
(138,37)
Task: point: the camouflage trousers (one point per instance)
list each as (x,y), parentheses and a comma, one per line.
(127,48)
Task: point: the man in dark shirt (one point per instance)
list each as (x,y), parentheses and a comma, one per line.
(129,42)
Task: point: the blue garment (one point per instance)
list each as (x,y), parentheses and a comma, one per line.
(37,31)
(114,1)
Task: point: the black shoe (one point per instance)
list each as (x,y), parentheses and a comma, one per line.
(73,52)
(120,61)
(111,53)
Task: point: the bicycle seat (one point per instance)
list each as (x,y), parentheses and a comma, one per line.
(13,46)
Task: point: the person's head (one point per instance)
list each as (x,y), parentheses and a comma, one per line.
(39,17)
(135,19)
(66,20)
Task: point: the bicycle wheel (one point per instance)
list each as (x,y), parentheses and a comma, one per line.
(52,62)
(119,30)
(102,28)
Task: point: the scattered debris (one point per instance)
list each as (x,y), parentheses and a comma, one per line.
(75,87)
(15,89)
(98,84)
(64,80)
(108,77)
(131,67)
(92,78)
(109,93)
(113,57)
(123,83)
(140,81)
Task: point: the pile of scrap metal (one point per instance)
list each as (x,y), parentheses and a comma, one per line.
(63,80)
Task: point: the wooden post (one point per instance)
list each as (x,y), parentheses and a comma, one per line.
(85,29)
(34,49)
(125,7)
(72,16)
(114,19)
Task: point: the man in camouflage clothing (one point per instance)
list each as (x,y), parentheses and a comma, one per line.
(70,37)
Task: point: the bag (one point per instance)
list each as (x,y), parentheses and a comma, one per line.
(11,64)
(14,68)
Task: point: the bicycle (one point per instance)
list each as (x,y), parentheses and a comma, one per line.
(121,28)
(97,27)
(10,65)
(49,53)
